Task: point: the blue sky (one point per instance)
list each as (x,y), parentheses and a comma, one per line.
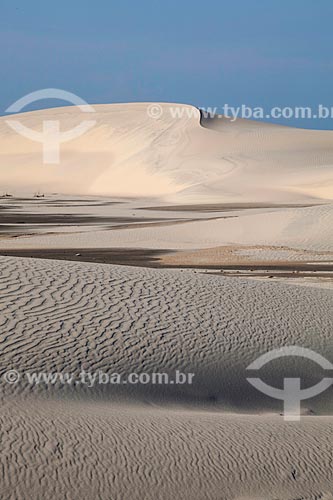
(209,53)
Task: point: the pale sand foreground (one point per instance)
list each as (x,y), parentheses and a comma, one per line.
(165,442)
(73,451)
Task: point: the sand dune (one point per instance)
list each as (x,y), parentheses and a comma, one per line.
(162,442)
(182,159)
(60,316)
(217,437)
(106,451)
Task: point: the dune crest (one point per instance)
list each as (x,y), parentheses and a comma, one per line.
(180,157)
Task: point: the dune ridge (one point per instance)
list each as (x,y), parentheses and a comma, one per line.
(177,157)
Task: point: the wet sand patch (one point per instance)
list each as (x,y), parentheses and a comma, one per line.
(139,257)
(121,256)
(225,207)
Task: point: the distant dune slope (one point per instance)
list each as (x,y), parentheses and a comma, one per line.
(179,156)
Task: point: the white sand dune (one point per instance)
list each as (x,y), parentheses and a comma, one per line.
(157,442)
(180,159)
(217,438)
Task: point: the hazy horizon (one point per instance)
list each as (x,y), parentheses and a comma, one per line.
(206,55)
